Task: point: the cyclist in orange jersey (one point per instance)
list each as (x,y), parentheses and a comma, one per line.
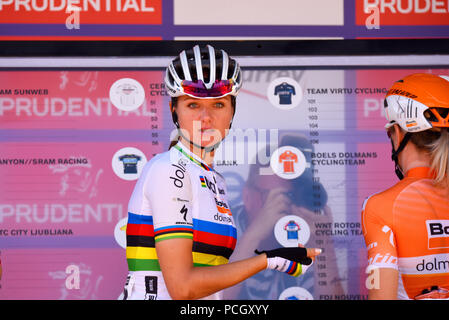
(406,227)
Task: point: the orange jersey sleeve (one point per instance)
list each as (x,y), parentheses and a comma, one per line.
(378,230)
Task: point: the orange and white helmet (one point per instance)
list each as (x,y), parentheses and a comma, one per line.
(418,102)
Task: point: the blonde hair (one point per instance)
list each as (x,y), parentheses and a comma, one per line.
(436,143)
(439,151)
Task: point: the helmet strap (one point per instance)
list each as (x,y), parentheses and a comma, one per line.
(395,155)
(174,116)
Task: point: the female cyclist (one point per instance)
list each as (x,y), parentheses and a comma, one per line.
(180,231)
(406,227)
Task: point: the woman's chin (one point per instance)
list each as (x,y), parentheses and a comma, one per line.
(209,140)
(208,143)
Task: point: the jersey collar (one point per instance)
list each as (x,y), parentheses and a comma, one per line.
(419,172)
(191,156)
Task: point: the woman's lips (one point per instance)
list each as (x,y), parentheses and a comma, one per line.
(208,134)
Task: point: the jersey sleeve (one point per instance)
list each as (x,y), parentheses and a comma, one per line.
(378,232)
(168,190)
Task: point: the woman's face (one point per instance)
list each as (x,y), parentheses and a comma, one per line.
(204,121)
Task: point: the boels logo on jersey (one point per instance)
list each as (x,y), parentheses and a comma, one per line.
(438,233)
(224,213)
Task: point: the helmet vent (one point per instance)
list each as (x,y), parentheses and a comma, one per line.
(436,114)
(443,112)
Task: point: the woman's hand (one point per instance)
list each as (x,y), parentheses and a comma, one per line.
(293,261)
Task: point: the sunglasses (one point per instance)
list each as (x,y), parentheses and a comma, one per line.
(198,88)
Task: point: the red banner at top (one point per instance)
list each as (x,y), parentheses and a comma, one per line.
(402,12)
(84,11)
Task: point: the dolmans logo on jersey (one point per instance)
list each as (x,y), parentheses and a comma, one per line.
(438,233)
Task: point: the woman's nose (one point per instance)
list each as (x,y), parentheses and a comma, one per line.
(205,113)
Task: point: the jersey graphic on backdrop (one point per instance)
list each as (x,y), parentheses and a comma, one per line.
(288,162)
(130,163)
(295,293)
(292,229)
(285,92)
(288,159)
(128,94)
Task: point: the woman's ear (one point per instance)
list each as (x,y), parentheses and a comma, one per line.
(397,136)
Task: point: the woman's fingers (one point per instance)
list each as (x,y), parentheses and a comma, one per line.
(313,252)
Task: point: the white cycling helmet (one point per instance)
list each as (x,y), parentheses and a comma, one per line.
(203,72)
(418,102)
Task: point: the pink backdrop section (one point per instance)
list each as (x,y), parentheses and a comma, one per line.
(86,196)
(379,166)
(75,99)
(53,216)
(49,274)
